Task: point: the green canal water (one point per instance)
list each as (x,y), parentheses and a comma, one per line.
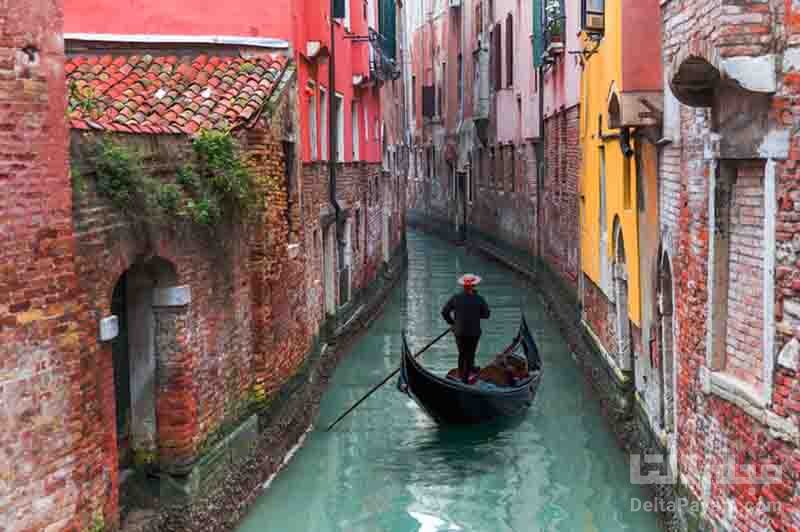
(387,467)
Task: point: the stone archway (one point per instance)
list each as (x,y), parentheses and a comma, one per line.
(622,325)
(134,353)
(666,342)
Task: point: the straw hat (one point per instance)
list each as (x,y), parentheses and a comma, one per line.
(469,280)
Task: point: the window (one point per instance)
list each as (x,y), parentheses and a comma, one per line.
(347,15)
(366,124)
(323,120)
(460,88)
(593,15)
(601,211)
(356,136)
(510,50)
(479,19)
(737,268)
(626,182)
(414,96)
(428,101)
(513,157)
(312,126)
(497,61)
(338,111)
(443,92)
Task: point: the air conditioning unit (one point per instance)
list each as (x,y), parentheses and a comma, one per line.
(595,22)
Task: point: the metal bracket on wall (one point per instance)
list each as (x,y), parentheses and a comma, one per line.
(595,39)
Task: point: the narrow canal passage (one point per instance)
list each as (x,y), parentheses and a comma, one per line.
(387,467)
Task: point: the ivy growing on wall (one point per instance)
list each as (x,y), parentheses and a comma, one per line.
(215,184)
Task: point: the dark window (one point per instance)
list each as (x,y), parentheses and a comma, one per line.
(414,96)
(593,15)
(460,84)
(510,50)
(428,101)
(513,157)
(497,56)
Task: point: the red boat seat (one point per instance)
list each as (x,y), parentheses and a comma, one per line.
(455,375)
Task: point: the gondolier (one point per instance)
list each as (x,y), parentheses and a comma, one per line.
(464,311)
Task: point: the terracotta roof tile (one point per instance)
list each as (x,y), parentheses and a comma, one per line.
(165,94)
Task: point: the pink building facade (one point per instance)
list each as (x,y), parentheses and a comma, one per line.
(494,122)
(304,25)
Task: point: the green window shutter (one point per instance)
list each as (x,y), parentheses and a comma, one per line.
(338,8)
(538,34)
(388,27)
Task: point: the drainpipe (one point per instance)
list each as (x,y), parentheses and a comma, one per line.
(541,167)
(332,137)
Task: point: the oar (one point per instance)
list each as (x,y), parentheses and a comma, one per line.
(384,381)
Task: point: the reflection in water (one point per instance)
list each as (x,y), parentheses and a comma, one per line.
(388,467)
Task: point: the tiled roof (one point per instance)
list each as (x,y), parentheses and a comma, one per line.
(169,94)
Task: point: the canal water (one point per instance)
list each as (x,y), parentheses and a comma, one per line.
(387,467)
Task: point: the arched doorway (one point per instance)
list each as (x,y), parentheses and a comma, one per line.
(623,325)
(666,342)
(134,361)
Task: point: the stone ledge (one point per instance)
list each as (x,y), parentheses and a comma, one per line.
(746,397)
(621,376)
(212,464)
(173,296)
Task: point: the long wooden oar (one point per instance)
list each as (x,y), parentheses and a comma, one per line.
(384,381)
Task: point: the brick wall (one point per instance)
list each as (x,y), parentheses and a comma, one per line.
(363,191)
(244,332)
(599,314)
(719,420)
(745,328)
(497,210)
(560,230)
(52,473)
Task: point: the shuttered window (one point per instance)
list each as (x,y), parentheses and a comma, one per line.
(510,50)
(497,56)
(538,34)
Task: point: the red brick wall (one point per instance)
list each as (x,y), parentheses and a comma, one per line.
(745,357)
(710,428)
(53,472)
(600,314)
(560,238)
(361,187)
(498,211)
(246,330)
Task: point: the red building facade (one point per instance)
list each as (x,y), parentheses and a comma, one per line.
(305,26)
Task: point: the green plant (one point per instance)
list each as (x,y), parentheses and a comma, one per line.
(78,181)
(220,179)
(119,171)
(555,28)
(98,523)
(217,184)
(168,197)
(82,99)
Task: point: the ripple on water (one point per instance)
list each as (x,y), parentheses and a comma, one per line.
(388,467)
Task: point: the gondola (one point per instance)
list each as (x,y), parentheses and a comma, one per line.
(452,402)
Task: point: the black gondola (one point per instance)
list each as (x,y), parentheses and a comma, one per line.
(449,401)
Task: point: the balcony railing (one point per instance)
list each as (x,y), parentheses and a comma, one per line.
(382,66)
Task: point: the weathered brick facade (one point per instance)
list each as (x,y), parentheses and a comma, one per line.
(50,474)
(728,222)
(559,218)
(153,343)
